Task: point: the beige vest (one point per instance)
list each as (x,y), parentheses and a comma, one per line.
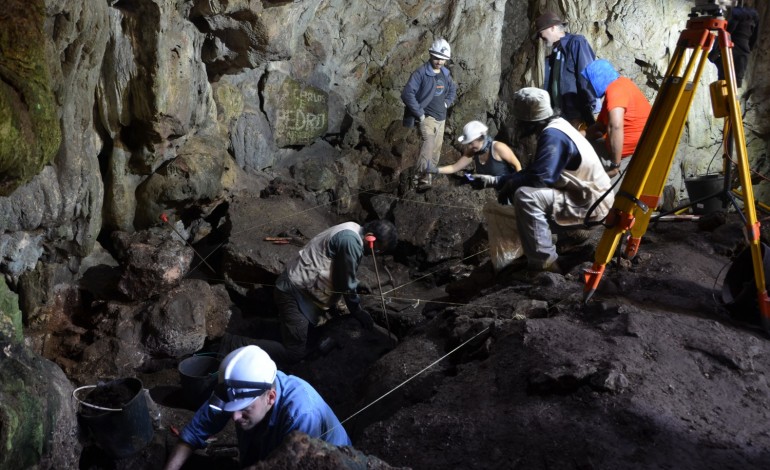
(311,269)
(577,190)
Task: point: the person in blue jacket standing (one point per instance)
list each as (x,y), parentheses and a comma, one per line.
(571,95)
(265,404)
(427,96)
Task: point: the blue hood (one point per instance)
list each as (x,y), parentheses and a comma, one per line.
(600,74)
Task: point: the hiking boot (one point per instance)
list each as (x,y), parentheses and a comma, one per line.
(529,275)
(576,256)
(563,265)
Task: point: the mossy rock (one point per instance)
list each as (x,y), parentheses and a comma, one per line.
(37,420)
(29,126)
(10,315)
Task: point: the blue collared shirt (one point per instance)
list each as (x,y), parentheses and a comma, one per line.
(297,407)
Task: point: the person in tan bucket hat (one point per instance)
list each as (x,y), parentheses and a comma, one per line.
(569,55)
(557,189)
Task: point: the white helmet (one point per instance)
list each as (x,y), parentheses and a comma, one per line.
(472,131)
(244,375)
(440,49)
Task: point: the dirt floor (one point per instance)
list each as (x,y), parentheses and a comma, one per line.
(652,373)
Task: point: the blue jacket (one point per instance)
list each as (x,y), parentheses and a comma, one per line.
(578,99)
(419,90)
(297,407)
(555,152)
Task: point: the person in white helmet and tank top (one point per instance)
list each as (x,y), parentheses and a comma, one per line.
(427,96)
(491,159)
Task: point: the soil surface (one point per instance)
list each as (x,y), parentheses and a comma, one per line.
(500,373)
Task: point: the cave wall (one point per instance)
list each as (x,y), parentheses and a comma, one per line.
(162,104)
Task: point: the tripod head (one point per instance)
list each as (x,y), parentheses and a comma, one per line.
(715,8)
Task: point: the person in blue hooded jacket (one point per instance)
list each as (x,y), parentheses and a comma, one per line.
(427,96)
(571,96)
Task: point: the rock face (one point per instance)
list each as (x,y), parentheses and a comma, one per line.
(38,424)
(30,125)
(163,103)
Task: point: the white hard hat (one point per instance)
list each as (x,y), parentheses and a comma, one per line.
(440,49)
(472,131)
(244,375)
(532,104)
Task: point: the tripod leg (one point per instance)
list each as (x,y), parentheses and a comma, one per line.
(744,172)
(649,168)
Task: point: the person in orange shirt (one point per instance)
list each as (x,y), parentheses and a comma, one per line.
(621,120)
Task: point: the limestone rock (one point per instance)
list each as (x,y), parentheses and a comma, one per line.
(177,324)
(152,262)
(39,427)
(10,315)
(299,450)
(247,260)
(192,182)
(298,113)
(28,115)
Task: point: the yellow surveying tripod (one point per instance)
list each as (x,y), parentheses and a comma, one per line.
(643,184)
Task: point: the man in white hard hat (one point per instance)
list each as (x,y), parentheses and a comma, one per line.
(265,404)
(491,159)
(558,187)
(427,96)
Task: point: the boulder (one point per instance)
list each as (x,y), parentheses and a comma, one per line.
(38,424)
(183,317)
(152,260)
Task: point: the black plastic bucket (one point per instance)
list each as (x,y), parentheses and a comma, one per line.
(703,186)
(116,416)
(739,289)
(198,377)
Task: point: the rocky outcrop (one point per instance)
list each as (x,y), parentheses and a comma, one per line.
(184,317)
(10,316)
(38,425)
(299,450)
(30,125)
(162,104)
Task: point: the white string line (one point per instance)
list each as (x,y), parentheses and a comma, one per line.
(404,382)
(415,201)
(434,272)
(389,297)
